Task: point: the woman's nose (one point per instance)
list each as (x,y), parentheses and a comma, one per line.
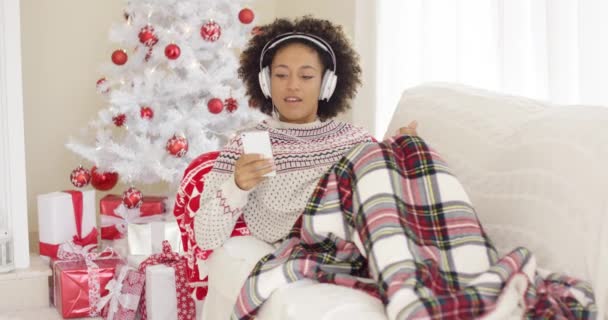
(293,83)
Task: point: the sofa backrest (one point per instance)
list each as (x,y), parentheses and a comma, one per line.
(536,173)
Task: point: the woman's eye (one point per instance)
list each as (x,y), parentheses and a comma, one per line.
(278,75)
(308,77)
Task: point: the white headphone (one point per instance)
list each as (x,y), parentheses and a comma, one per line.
(328,84)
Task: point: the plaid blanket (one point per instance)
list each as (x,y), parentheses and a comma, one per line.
(390,219)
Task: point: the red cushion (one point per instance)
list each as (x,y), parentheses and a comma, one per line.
(187,202)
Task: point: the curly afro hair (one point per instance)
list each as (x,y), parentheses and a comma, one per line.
(347,62)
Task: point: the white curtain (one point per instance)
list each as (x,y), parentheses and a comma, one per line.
(552,50)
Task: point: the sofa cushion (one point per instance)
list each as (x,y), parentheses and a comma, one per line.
(535,172)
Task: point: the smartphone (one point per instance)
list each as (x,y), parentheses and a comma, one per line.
(258,142)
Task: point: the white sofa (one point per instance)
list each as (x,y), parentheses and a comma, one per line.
(536,173)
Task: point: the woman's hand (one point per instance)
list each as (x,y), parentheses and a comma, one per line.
(250,169)
(410,130)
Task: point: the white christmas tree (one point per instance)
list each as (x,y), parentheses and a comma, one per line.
(172,89)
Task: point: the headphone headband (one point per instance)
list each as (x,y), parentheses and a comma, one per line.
(318,41)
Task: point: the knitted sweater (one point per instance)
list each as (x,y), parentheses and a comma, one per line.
(302,154)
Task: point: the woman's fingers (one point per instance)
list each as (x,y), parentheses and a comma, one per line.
(409,130)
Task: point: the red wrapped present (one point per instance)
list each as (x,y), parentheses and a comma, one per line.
(66,219)
(115,217)
(166,271)
(80,283)
(125,291)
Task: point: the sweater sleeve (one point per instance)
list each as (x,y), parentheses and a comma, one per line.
(222,201)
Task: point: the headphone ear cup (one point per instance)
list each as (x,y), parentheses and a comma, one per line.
(264,80)
(328,85)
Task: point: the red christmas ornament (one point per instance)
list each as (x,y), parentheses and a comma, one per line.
(146,112)
(80,177)
(119,57)
(102,86)
(119,120)
(148,54)
(211,31)
(246,16)
(147,36)
(103,181)
(231,105)
(256,31)
(172,51)
(177,146)
(215,105)
(132,198)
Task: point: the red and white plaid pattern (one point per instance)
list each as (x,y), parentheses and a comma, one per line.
(390,219)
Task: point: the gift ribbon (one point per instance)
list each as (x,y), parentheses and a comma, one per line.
(172,259)
(89,241)
(74,253)
(114,297)
(124,217)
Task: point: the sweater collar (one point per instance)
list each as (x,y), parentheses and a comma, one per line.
(278,124)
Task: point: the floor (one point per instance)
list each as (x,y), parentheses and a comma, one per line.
(35,314)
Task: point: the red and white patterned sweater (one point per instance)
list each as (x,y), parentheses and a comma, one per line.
(302,154)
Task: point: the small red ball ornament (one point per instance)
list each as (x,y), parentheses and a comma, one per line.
(146,112)
(132,198)
(172,51)
(147,36)
(231,105)
(215,105)
(256,31)
(119,120)
(103,181)
(177,146)
(211,31)
(102,86)
(119,57)
(80,177)
(246,16)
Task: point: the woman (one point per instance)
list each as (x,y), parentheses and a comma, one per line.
(294,59)
(387,218)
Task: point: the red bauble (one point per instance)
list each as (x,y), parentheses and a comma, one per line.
(256,31)
(211,31)
(246,16)
(119,57)
(132,198)
(215,105)
(102,86)
(103,181)
(80,177)
(119,120)
(147,36)
(231,104)
(177,146)
(146,112)
(172,51)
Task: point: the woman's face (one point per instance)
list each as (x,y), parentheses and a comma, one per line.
(295,81)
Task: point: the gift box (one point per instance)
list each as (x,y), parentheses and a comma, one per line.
(166,294)
(66,218)
(80,284)
(146,239)
(124,293)
(115,217)
(161,298)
